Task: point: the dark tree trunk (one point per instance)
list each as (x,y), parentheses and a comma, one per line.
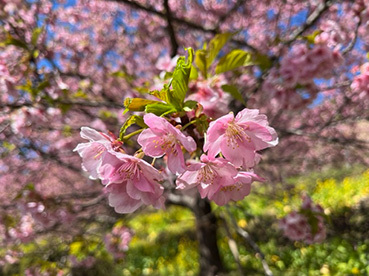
(206,231)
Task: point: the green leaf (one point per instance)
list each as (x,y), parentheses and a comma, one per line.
(215,45)
(43,85)
(194,74)
(123,75)
(16,42)
(232,60)
(234,92)
(200,61)
(189,105)
(202,124)
(36,34)
(160,109)
(180,80)
(133,119)
(137,104)
(311,37)
(263,61)
(162,94)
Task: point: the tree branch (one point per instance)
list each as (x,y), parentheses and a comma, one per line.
(181,21)
(310,21)
(353,41)
(170,28)
(251,242)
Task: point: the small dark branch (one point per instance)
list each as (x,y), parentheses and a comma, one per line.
(66,102)
(172,35)
(251,242)
(54,158)
(353,41)
(311,20)
(233,246)
(180,21)
(336,86)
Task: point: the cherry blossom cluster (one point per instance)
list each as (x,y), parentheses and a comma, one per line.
(306,225)
(222,173)
(118,240)
(297,71)
(130,180)
(303,64)
(360,84)
(210,95)
(35,205)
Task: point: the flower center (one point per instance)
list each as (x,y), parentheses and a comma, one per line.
(207,174)
(129,170)
(169,144)
(100,149)
(236,134)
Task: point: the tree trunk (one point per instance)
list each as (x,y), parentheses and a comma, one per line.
(206,231)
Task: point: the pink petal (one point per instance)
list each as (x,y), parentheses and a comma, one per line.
(175,160)
(91,134)
(143,185)
(158,125)
(243,155)
(151,143)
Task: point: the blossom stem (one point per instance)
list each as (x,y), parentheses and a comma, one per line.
(153,161)
(126,137)
(188,124)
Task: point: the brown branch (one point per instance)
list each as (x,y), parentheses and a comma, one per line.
(181,21)
(353,41)
(310,21)
(56,102)
(172,35)
(244,234)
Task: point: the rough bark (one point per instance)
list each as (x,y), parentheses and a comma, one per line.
(206,231)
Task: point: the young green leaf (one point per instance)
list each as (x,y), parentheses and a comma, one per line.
(133,119)
(159,108)
(234,92)
(232,60)
(263,61)
(200,61)
(215,45)
(180,80)
(137,104)
(189,105)
(36,34)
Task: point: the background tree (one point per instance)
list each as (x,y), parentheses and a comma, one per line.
(67,64)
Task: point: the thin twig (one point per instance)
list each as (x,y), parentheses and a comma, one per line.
(251,242)
(310,21)
(233,246)
(353,41)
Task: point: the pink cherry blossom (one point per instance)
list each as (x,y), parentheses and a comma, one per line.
(297,225)
(237,191)
(117,241)
(239,138)
(210,95)
(163,138)
(210,176)
(165,63)
(93,152)
(131,182)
